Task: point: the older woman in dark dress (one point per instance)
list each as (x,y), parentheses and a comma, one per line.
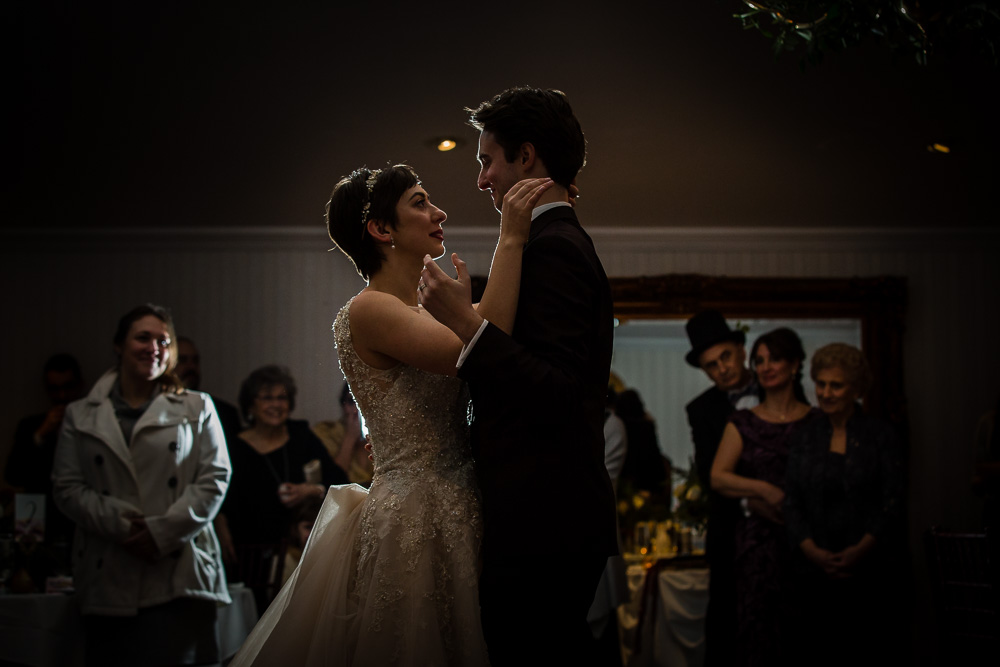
(842,509)
(278,465)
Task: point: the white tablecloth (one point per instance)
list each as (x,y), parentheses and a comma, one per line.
(46,630)
(664,621)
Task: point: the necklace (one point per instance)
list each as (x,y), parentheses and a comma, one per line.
(274,473)
(780,416)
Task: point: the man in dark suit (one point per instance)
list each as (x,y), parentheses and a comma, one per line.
(189,371)
(720,352)
(538,396)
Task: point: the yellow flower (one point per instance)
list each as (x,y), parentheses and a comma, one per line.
(694,493)
(638,501)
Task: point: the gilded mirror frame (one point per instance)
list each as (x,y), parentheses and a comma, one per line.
(879,303)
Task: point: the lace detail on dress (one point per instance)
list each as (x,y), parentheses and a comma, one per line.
(420,528)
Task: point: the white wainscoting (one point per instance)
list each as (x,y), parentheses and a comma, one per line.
(255,296)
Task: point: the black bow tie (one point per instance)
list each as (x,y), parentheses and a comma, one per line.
(737,394)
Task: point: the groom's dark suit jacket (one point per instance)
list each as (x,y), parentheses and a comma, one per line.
(538,402)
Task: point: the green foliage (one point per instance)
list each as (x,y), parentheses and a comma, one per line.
(922,29)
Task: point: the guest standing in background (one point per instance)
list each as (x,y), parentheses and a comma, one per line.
(298,535)
(141,467)
(751,464)
(842,511)
(612,591)
(645,467)
(29,464)
(615,439)
(189,371)
(345,442)
(718,351)
(278,464)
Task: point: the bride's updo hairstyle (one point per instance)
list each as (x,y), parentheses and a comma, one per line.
(366,194)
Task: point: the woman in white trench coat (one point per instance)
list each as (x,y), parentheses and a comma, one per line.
(142,468)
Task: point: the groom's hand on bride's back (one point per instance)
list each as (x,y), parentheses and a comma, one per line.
(449,300)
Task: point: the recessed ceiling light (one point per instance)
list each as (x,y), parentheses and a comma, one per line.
(444,144)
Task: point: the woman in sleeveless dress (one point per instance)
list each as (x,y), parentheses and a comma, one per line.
(750,464)
(389,575)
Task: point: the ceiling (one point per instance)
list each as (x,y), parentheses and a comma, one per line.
(197,115)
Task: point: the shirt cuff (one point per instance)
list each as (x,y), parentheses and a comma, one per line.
(472,343)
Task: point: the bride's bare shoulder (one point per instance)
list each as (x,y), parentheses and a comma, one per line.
(372,306)
(370,300)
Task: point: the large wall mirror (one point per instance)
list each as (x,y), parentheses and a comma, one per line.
(650,340)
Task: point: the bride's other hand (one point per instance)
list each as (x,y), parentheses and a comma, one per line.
(515,216)
(450,300)
(574,192)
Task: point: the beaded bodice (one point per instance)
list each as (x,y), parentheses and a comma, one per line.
(421,527)
(417,421)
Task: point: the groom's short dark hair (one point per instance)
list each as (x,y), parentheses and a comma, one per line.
(543,118)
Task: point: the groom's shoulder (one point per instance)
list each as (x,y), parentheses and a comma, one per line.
(560,223)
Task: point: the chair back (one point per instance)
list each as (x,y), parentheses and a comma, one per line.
(259,567)
(963,568)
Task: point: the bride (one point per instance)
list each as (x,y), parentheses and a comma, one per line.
(390,574)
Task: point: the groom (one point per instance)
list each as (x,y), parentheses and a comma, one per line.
(538,396)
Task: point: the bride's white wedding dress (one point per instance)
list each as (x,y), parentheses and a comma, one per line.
(389,576)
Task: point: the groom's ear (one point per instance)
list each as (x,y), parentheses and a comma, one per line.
(526,156)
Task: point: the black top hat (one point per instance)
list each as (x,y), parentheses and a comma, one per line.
(706,329)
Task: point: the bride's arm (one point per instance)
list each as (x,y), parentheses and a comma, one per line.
(449,300)
(385,331)
(499,302)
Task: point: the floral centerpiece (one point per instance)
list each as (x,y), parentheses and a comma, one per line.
(638,507)
(691,498)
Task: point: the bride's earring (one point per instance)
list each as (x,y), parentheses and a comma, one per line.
(392,243)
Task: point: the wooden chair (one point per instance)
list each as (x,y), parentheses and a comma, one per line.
(963,569)
(259,567)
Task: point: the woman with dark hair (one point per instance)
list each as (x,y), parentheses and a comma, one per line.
(278,464)
(390,574)
(842,509)
(141,467)
(645,467)
(750,464)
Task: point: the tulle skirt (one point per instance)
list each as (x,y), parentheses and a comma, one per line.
(330,612)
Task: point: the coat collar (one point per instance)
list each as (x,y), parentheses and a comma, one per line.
(102,389)
(100,422)
(99,419)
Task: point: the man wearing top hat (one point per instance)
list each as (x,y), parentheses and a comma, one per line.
(720,352)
